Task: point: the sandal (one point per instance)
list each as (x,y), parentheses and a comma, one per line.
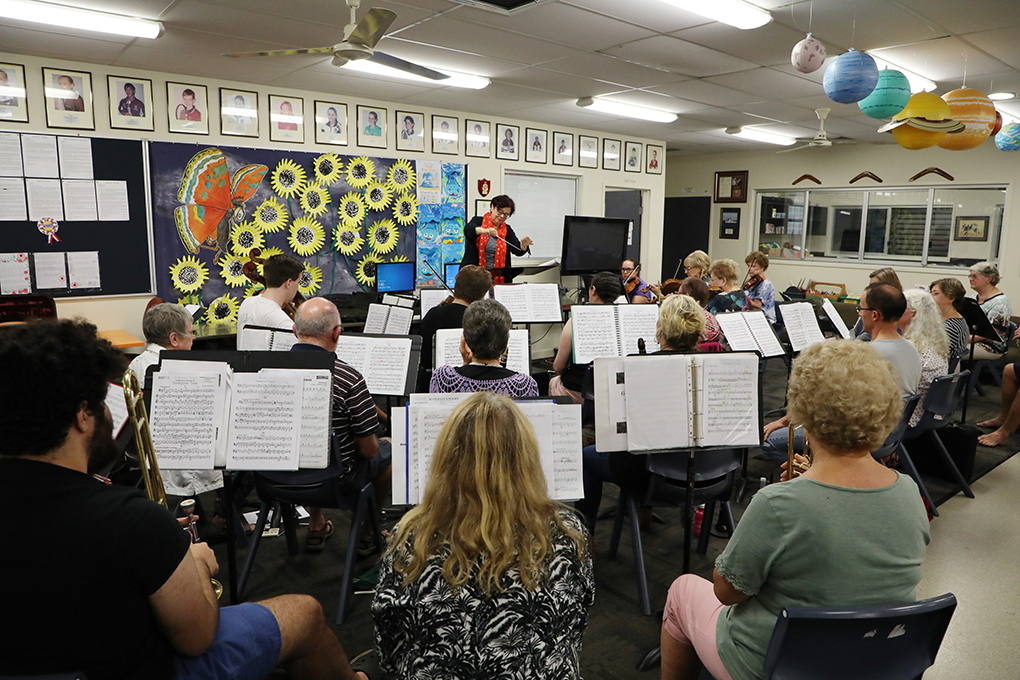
(366,546)
(368,663)
(316,539)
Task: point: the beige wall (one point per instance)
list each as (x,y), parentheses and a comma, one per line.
(126,312)
(835,167)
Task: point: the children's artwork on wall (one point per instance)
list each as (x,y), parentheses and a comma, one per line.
(340,215)
(440,235)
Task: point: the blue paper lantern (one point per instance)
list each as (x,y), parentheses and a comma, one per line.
(850,77)
(890,96)
(1008,138)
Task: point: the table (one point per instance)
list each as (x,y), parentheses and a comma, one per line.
(121,339)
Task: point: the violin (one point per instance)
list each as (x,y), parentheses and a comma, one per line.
(753,282)
(251,270)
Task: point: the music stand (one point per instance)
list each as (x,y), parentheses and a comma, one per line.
(979,326)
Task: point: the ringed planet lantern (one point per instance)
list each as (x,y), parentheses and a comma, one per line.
(923,123)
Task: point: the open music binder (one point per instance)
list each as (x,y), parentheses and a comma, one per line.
(241,410)
(676,401)
(801,324)
(431,297)
(750,332)
(256,338)
(612,330)
(388,363)
(836,319)
(446,348)
(530,302)
(388,319)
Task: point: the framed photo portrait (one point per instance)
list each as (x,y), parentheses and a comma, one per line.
(130,103)
(655,157)
(729,223)
(972,228)
(286,119)
(482,206)
(13,94)
(611,154)
(536,148)
(410,131)
(587,151)
(632,157)
(239,113)
(731,187)
(330,123)
(187,108)
(371,126)
(508,138)
(445,134)
(563,148)
(68,99)
(476,139)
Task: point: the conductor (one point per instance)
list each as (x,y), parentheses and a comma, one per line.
(489,240)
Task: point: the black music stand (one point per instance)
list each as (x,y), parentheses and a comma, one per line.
(980,327)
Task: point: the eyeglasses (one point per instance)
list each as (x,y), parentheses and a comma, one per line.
(865,309)
(502,215)
(626,269)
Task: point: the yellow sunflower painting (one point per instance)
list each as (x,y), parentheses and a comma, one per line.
(360,172)
(352,210)
(188,274)
(311,279)
(405,209)
(378,196)
(348,241)
(193,299)
(328,168)
(244,237)
(288,178)
(383,236)
(223,309)
(253,289)
(401,177)
(315,200)
(271,216)
(400,258)
(232,270)
(306,236)
(365,271)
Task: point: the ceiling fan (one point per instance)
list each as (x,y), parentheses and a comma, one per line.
(359,41)
(820,139)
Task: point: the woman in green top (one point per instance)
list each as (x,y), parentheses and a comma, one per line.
(821,540)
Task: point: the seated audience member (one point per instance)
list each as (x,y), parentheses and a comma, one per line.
(353,424)
(763,295)
(698,289)
(486,333)
(945,293)
(1008,418)
(724,275)
(283,274)
(635,288)
(984,276)
(800,542)
(696,265)
(122,572)
(569,378)
(488,577)
(880,310)
(883,275)
(472,284)
(922,325)
(680,325)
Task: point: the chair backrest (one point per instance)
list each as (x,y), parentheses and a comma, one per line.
(24,307)
(942,398)
(893,440)
(877,643)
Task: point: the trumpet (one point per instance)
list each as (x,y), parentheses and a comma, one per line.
(154,488)
(795,468)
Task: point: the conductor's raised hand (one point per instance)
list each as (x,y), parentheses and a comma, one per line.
(526,242)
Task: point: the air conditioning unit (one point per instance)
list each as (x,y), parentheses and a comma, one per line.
(502,6)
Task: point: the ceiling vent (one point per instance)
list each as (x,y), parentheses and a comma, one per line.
(502,6)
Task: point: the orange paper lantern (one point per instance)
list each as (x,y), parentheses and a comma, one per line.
(973,109)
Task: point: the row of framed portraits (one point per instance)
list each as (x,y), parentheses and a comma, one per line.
(189,110)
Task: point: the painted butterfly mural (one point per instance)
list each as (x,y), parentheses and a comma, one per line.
(213,203)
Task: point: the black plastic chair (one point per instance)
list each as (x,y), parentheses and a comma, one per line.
(992,366)
(844,643)
(713,479)
(893,441)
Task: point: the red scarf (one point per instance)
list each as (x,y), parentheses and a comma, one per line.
(500,260)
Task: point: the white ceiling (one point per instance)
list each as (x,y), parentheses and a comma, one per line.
(542,58)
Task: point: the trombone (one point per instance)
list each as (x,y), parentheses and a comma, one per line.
(147,454)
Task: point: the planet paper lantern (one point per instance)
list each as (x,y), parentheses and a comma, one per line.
(976,112)
(1008,138)
(850,78)
(923,123)
(808,55)
(890,96)
(998,124)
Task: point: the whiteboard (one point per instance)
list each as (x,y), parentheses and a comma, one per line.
(542,201)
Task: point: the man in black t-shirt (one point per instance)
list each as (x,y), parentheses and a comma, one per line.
(472,284)
(97,578)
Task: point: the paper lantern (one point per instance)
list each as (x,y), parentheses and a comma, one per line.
(850,77)
(808,55)
(1008,138)
(890,96)
(921,105)
(998,124)
(973,109)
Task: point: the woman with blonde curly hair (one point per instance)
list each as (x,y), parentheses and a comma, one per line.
(800,542)
(488,577)
(922,325)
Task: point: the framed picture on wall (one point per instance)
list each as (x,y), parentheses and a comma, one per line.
(371,126)
(535,149)
(972,228)
(445,134)
(563,148)
(187,108)
(410,131)
(654,158)
(130,103)
(239,113)
(587,151)
(68,99)
(632,154)
(508,142)
(482,206)
(476,139)
(729,223)
(611,154)
(13,94)
(330,123)
(731,187)
(286,119)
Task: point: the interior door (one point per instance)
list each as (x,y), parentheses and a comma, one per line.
(626,203)
(685,228)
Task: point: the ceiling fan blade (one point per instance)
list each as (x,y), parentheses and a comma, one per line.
(402,65)
(796,148)
(279,53)
(372,27)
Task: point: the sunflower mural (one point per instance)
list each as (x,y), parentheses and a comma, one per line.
(405,209)
(253,289)
(223,310)
(348,241)
(383,236)
(311,279)
(232,271)
(400,177)
(271,216)
(192,299)
(360,172)
(288,178)
(244,237)
(365,272)
(189,274)
(378,196)
(328,168)
(315,200)
(306,236)
(352,210)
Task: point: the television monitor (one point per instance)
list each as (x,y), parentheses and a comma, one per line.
(593,244)
(451,273)
(394,277)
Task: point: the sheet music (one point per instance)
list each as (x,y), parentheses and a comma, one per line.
(836,319)
(763,333)
(652,384)
(265,339)
(431,297)
(544,303)
(518,356)
(440,398)
(188,417)
(399,321)
(801,325)
(727,395)
(447,349)
(316,409)
(737,332)
(265,421)
(429,423)
(594,332)
(515,299)
(375,322)
(118,407)
(610,405)
(568,483)
(540,415)
(637,321)
(399,465)
(383,362)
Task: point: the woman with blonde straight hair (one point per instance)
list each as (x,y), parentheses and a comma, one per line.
(488,576)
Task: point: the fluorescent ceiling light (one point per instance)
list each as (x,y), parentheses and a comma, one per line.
(455,79)
(1001,96)
(759,136)
(626,110)
(83,19)
(918,83)
(736,13)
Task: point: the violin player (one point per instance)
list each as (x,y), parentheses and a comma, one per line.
(283,274)
(636,290)
(758,290)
